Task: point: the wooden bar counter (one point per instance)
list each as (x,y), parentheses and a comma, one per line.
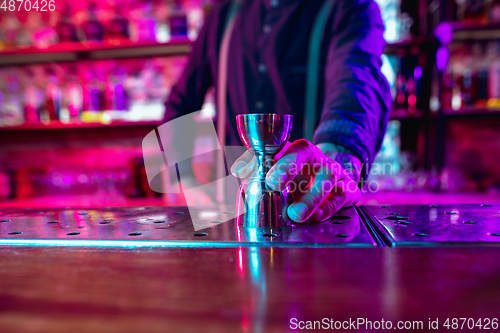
(231,288)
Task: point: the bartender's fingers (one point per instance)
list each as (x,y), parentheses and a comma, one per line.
(345,193)
(299,154)
(244,165)
(282,151)
(309,199)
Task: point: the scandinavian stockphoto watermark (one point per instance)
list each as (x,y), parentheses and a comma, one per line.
(365,324)
(330,176)
(356,324)
(168,154)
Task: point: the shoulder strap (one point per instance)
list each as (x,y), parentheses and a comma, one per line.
(313,64)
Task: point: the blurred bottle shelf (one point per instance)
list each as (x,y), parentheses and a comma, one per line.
(463,31)
(76,124)
(472,112)
(404,114)
(395,48)
(92,50)
(124,49)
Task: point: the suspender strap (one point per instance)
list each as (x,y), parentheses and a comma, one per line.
(313,64)
(222,72)
(222,95)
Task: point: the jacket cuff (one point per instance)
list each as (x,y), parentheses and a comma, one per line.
(352,146)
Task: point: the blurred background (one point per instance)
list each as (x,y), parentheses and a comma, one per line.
(83,82)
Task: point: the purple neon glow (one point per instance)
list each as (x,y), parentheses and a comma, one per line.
(67,180)
(417,73)
(442,56)
(444,33)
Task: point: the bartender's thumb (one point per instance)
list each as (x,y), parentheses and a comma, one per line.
(344,194)
(244,165)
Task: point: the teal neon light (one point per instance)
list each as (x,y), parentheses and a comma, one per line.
(161,244)
(109,243)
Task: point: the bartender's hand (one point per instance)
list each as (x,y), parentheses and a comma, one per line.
(320,185)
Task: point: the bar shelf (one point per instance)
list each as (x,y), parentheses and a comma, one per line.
(394,48)
(472,111)
(404,114)
(92,50)
(473,31)
(76,125)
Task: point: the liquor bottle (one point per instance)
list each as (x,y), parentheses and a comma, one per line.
(31,105)
(468,87)
(91,91)
(9,31)
(472,10)
(178,21)
(481,65)
(494,77)
(93,29)
(23,185)
(469,82)
(118,27)
(195,18)
(121,99)
(447,92)
(72,102)
(53,101)
(75,99)
(413,80)
(134,186)
(145,24)
(482,87)
(95,97)
(108,103)
(11,112)
(65,28)
(207,6)
(6,188)
(42,33)
(31,109)
(138,185)
(494,12)
(23,38)
(162,10)
(401,83)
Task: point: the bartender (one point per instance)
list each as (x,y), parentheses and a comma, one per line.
(318,60)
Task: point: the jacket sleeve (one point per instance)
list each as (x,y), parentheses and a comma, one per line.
(357,96)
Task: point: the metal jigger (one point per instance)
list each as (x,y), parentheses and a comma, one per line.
(258,206)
